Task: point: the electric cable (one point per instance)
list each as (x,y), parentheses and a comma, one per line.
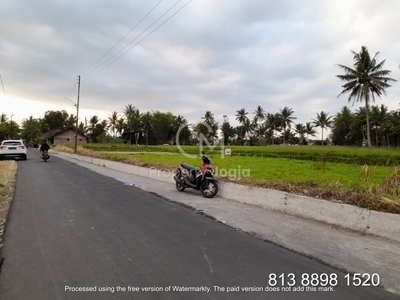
(92,74)
(4,91)
(82,73)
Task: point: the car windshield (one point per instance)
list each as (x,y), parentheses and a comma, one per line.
(13,143)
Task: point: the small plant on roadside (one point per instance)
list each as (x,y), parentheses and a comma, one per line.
(391,184)
(365,173)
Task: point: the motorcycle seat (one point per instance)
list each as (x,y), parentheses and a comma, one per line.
(187,167)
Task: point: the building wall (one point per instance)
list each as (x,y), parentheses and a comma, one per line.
(68,137)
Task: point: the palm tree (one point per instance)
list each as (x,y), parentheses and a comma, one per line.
(146,119)
(366,80)
(286,119)
(208,117)
(323,121)
(310,130)
(133,122)
(181,130)
(301,130)
(70,121)
(343,132)
(259,116)
(241,117)
(378,116)
(93,121)
(112,121)
(272,124)
(120,125)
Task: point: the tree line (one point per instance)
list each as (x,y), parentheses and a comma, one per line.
(347,128)
(365,80)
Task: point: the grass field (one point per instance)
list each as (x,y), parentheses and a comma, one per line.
(8,170)
(352,175)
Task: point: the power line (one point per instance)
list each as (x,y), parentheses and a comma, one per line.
(93,71)
(121,38)
(4,91)
(90,75)
(66,93)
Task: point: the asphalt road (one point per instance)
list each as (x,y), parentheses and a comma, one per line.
(75,234)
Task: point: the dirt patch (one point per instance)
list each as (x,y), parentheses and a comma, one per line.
(8,169)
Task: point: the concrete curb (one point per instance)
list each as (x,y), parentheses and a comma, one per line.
(344,215)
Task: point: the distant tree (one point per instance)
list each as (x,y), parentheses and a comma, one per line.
(120,125)
(259,117)
(3,118)
(133,125)
(301,130)
(324,121)
(181,131)
(56,119)
(286,119)
(241,117)
(147,123)
(31,130)
(343,127)
(228,132)
(112,122)
(208,128)
(271,125)
(70,121)
(310,130)
(162,127)
(379,115)
(365,81)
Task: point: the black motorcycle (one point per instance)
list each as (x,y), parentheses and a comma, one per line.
(202,179)
(45,155)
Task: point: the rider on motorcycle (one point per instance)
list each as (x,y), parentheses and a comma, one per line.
(44,147)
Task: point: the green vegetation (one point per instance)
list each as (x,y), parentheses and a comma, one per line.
(356,156)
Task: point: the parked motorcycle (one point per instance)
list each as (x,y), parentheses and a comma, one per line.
(188,176)
(45,155)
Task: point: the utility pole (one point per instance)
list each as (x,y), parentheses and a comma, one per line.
(77,114)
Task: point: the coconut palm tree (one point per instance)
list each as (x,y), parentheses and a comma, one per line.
(323,121)
(146,119)
(365,81)
(241,117)
(120,125)
(259,116)
(272,124)
(208,117)
(133,122)
(310,130)
(112,121)
(378,116)
(301,130)
(286,119)
(93,121)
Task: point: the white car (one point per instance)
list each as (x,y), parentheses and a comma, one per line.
(12,149)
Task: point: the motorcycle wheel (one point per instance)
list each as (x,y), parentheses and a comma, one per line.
(209,189)
(179,186)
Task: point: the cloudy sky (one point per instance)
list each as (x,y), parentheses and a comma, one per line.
(187,57)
